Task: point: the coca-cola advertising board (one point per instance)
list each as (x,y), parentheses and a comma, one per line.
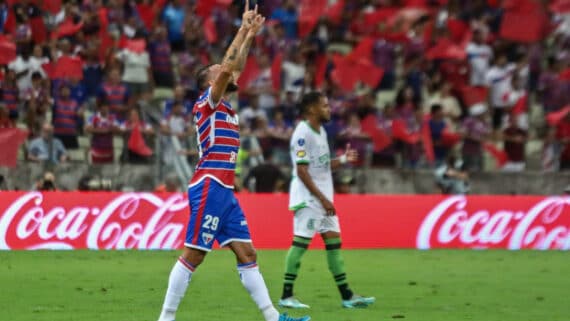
(75,220)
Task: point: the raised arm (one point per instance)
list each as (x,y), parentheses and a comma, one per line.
(232,62)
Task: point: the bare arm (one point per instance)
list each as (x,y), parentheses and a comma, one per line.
(231,62)
(303,174)
(351,155)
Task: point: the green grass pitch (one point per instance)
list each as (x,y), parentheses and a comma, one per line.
(441,285)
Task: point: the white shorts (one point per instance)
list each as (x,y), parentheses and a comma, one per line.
(309,221)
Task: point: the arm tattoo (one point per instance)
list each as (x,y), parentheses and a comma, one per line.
(233,55)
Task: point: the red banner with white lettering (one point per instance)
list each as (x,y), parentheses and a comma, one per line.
(59,220)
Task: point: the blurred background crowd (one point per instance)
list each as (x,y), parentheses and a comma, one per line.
(468,85)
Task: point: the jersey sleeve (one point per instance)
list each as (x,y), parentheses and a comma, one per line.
(299,147)
(206,100)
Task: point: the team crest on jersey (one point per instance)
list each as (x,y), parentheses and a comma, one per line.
(301,154)
(207,238)
(301,142)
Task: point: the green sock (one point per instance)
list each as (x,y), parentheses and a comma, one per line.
(293,263)
(336,266)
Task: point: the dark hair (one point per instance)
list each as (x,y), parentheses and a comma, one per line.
(36,75)
(436,108)
(202,77)
(309,100)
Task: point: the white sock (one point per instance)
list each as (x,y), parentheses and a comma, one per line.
(254,284)
(177,284)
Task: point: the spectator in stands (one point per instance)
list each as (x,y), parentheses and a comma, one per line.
(265,177)
(102,126)
(160,55)
(451,109)
(280,133)
(67,116)
(5,121)
(476,131)
(262,86)
(174,16)
(354,135)
(37,102)
(178,99)
(288,17)
(46,183)
(294,71)
(115,95)
(514,138)
(11,94)
(46,147)
(92,72)
(25,66)
(288,107)
(135,156)
(137,72)
(252,112)
(452,177)
(479,55)
(499,80)
(437,126)
(552,91)
(563,138)
(175,123)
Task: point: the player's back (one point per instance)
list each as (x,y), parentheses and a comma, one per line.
(217,131)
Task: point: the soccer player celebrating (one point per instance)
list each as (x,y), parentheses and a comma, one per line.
(311,197)
(215,213)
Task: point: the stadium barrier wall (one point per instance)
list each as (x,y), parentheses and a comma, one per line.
(76,220)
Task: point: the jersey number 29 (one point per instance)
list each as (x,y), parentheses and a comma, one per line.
(211,222)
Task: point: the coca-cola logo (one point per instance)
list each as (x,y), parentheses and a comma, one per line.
(127,221)
(546,225)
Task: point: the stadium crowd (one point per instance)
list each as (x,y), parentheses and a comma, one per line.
(410,82)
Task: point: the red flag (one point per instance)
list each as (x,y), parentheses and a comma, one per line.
(564,74)
(7,51)
(68,67)
(67,28)
(427,141)
(147,14)
(343,74)
(450,139)
(103,20)
(136,46)
(457,29)
(276,71)
(369,73)
(523,26)
(446,49)
(249,73)
(321,70)
(379,138)
(556,117)
(473,95)
(521,105)
(400,132)
(499,155)
(53,6)
(560,6)
(363,49)
(334,12)
(136,142)
(39,32)
(309,13)
(10,141)
(49,69)
(210,30)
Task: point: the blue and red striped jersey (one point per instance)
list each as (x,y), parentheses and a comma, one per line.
(217,128)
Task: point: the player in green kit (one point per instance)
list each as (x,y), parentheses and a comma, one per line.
(311,198)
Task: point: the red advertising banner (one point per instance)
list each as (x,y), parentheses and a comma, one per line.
(76,220)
